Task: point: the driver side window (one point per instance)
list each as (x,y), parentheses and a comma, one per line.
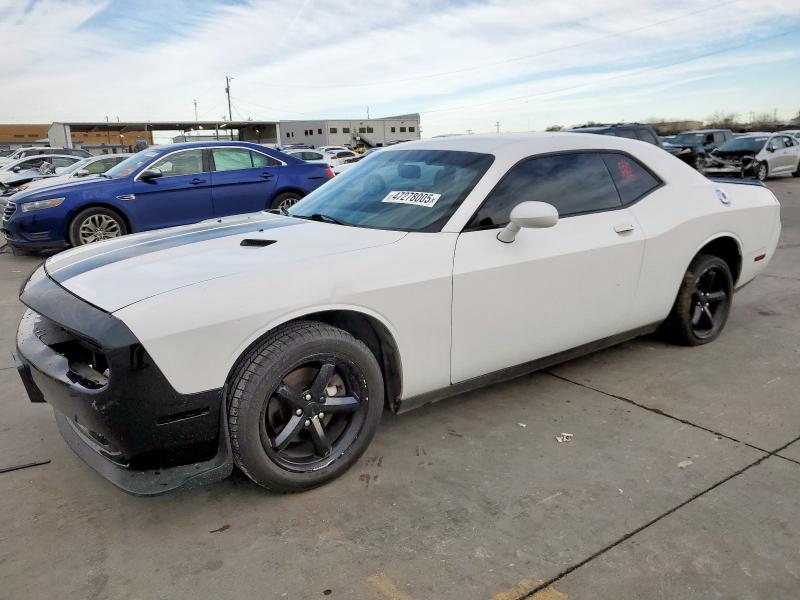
(574,183)
(188,162)
(776,143)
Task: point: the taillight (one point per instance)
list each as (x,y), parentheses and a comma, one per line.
(329,172)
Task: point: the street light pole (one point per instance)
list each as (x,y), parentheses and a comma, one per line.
(228,93)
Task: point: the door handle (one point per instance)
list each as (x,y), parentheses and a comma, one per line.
(621,228)
(197,180)
(266,175)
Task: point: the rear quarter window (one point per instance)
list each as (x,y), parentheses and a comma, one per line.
(632,180)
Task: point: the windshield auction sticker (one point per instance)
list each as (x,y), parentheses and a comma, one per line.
(425,199)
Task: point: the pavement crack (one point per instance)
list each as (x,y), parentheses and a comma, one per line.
(657,411)
(781,277)
(655,520)
(660,412)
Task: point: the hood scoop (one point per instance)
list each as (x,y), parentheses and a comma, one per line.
(256,243)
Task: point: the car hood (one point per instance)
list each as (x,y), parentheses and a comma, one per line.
(116,273)
(9,177)
(43,192)
(733,153)
(53,180)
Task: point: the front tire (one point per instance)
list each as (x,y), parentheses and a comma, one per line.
(303,406)
(703,303)
(285,200)
(762,171)
(95,224)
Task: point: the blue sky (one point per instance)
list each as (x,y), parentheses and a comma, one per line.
(463,65)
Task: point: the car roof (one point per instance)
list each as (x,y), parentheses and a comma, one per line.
(208,144)
(704,130)
(26,158)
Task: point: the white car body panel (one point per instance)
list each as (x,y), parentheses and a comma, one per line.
(197,306)
(540,283)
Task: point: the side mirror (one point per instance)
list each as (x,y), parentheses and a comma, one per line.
(770,148)
(150,174)
(16,169)
(528,214)
(80,173)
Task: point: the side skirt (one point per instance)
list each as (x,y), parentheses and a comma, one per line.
(529,367)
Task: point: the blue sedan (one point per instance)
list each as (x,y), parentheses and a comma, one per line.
(160,187)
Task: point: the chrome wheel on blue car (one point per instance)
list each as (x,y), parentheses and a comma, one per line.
(94,225)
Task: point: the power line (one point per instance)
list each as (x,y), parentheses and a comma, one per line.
(516,58)
(613,77)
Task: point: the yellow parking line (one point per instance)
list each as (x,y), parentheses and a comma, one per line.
(525,587)
(387,588)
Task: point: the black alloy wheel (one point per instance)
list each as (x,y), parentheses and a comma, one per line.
(303,405)
(703,303)
(710,302)
(314,414)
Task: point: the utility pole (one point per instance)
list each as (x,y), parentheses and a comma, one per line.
(195,111)
(108,130)
(469,131)
(228,92)
(497,126)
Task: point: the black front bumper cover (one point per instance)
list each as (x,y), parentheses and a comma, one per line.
(113,405)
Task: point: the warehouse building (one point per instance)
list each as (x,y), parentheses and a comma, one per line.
(103,137)
(356,132)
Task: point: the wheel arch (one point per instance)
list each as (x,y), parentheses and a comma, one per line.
(289,188)
(366,326)
(95,204)
(728,247)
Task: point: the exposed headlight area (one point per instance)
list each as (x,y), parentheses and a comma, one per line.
(41,204)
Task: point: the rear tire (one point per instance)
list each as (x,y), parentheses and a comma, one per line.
(303,406)
(797,170)
(703,304)
(95,224)
(285,200)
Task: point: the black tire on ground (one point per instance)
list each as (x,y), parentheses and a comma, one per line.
(109,224)
(259,413)
(703,303)
(762,171)
(285,200)
(797,170)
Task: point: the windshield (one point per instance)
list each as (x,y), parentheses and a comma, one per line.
(749,144)
(74,166)
(132,164)
(688,138)
(406,190)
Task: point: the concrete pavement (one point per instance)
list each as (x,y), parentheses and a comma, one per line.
(680,482)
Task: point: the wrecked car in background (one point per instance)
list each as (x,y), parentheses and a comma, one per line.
(692,147)
(758,155)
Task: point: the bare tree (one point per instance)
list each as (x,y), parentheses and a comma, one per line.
(796,119)
(723,120)
(763,121)
(555,128)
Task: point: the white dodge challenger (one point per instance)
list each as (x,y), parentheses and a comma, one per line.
(274,341)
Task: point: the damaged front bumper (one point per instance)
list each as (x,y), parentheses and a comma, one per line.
(113,405)
(741,166)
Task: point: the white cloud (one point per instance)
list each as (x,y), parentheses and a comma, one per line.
(291,59)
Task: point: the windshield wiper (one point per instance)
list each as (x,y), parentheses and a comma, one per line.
(323,218)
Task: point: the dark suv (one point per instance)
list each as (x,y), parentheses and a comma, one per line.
(634,131)
(692,147)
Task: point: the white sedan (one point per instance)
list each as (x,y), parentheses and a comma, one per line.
(275,341)
(757,154)
(308,155)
